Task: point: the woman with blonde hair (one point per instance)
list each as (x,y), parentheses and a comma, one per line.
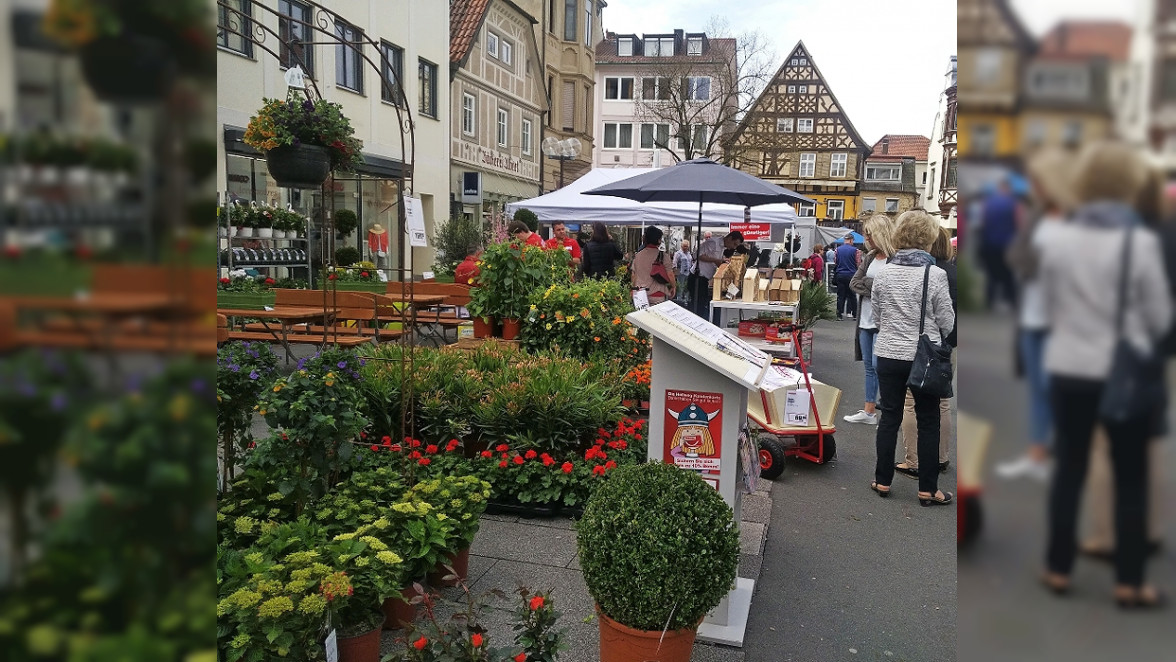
(910,296)
(1108,297)
(877,231)
(1051,176)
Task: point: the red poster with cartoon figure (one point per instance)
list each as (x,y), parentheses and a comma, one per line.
(693,432)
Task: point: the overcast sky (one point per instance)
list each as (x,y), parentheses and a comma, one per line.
(884,59)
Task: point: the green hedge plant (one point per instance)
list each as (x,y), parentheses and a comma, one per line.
(659,547)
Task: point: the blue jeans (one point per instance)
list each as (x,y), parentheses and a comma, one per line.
(1033,359)
(866,340)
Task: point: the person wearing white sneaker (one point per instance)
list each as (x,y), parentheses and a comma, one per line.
(877,230)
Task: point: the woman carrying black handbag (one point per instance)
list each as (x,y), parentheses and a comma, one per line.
(911,304)
(1106,315)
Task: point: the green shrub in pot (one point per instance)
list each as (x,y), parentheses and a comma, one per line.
(659,547)
(345,222)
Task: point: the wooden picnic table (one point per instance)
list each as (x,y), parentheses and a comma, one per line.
(285,318)
(101,303)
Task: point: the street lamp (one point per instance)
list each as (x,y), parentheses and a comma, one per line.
(561,150)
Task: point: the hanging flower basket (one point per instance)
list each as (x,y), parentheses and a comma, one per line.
(299,166)
(128,69)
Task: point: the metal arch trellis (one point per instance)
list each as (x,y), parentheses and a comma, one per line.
(244,18)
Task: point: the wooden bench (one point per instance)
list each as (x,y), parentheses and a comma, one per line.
(362,308)
(343,340)
(444,315)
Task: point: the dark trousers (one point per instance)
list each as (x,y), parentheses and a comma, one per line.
(700,296)
(999,281)
(1075,412)
(846,299)
(892,389)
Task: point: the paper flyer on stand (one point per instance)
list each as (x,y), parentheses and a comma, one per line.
(693,432)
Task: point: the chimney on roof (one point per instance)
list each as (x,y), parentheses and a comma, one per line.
(610,35)
(885,144)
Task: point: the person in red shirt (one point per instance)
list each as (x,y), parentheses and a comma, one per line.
(522,233)
(565,241)
(818,263)
(467,272)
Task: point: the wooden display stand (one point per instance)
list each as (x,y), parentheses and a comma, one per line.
(701,380)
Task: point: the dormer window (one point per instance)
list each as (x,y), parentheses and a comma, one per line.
(694,46)
(659,47)
(625,46)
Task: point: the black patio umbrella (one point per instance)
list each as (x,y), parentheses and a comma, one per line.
(703,180)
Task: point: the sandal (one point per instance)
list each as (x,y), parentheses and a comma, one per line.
(935,499)
(878,488)
(1144,597)
(906,470)
(1057,584)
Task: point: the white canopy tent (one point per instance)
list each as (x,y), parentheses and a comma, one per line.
(569,205)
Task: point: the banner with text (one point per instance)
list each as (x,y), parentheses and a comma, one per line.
(753,231)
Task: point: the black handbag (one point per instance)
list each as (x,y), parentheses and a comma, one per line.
(931,370)
(1135,385)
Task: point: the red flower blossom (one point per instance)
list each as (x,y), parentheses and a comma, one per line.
(415,443)
(591,453)
(548,460)
(521,657)
(452,445)
(566,468)
(396,448)
(388,443)
(269,281)
(531,454)
(415,455)
(501,448)
(536,602)
(610,465)
(637,437)
(333,277)
(424,461)
(387,440)
(502,464)
(487,454)
(375,448)
(364,274)
(476,640)
(622,444)
(225,281)
(431,448)
(598,470)
(518,459)
(420,644)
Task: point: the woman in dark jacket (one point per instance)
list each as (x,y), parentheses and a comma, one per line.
(601,254)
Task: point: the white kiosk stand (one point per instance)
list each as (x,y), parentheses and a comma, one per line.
(698,408)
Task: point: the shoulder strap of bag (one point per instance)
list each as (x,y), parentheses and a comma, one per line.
(923,308)
(1122,303)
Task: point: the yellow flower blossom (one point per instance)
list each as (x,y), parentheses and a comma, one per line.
(374,543)
(313,604)
(275,607)
(388,557)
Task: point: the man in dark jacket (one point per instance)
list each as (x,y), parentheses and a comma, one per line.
(848,257)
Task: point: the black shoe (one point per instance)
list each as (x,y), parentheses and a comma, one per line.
(910,472)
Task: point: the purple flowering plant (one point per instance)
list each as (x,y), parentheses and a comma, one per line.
(243,371)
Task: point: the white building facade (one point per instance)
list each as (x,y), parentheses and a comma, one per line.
(414,37)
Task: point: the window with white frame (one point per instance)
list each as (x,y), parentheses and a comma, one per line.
(835,210)
(891,205)
(503,127)
(694,46)
(837,165)
(655,136)
(804,125)
(667,47)
(491,44)
(784,124)
(616,89)
(625,46)
(806,210)
(698,88)
(507,52)
(803,89)
(526,136)
(934,183)
(808,164)
(792,89)
(883,172)
(869,204)
(618,135)
(794,62)
(469,113)
(803,61)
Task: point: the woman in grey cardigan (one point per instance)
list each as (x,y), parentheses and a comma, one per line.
(878,230)
(1083,305)
(896,302)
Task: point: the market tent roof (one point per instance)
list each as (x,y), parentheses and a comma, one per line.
(570,205)
(833,236)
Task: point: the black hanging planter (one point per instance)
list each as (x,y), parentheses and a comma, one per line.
(128,69)
(299,166)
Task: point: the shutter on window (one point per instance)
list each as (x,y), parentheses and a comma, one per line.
(569,106)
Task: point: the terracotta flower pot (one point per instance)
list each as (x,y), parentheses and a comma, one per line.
(483,327)
(460,561)
(299,166)
(360,648)
(510,329)
(619,643)
(398,612)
